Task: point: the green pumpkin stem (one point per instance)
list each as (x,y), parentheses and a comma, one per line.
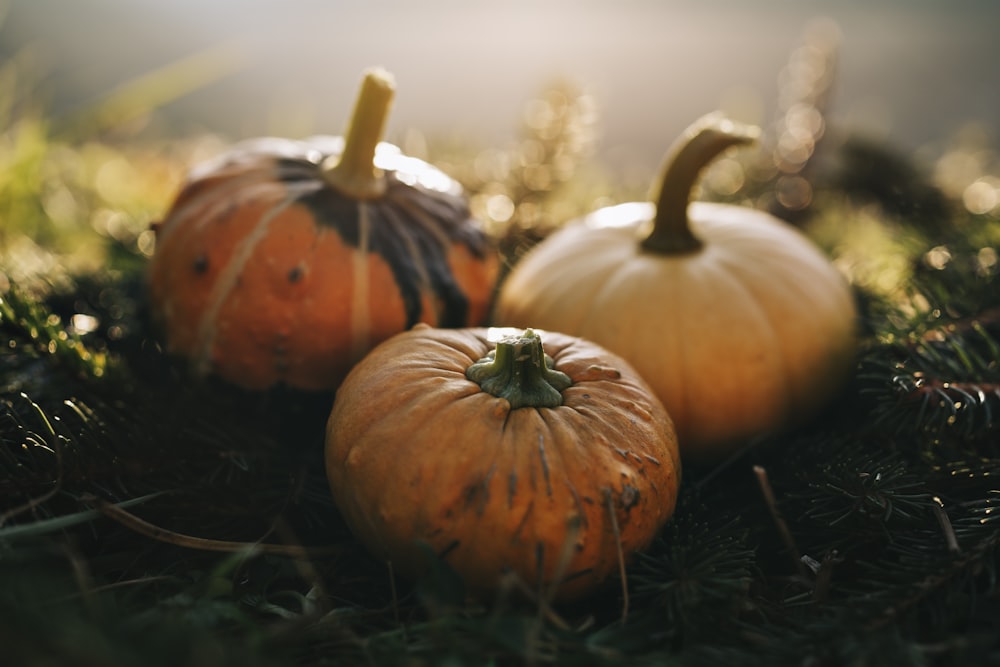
(353,172)
(520,371)
(704,140)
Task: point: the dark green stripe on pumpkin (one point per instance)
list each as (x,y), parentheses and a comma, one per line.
(395,228)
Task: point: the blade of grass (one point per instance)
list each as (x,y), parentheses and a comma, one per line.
(46,526)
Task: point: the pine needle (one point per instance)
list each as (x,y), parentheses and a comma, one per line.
(153,532)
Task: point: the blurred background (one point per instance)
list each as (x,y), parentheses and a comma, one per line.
(911,72)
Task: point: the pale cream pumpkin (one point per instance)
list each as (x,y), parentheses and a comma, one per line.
(740,324)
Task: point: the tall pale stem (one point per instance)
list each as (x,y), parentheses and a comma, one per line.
(354,172)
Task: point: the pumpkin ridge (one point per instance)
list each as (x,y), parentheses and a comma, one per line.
(426,222)
(413,277)
(496,458)
(228,280)
(799,293)
(447,213)
(435,240)
(440,221)
(207,203)
(360,292)
(751,322)
(427,268)
(774,329)
(477,494)
(560,460)
(560,430)
(544,462)
(540,296)
(674,344)
(387,235)
(526,458)
(609,291)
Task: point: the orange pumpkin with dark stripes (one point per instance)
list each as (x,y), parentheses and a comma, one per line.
(284,262)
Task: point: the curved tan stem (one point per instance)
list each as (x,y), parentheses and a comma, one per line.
(354,173)
(701,142)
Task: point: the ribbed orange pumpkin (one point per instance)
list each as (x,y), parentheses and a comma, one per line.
(552,463)
(284,262)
